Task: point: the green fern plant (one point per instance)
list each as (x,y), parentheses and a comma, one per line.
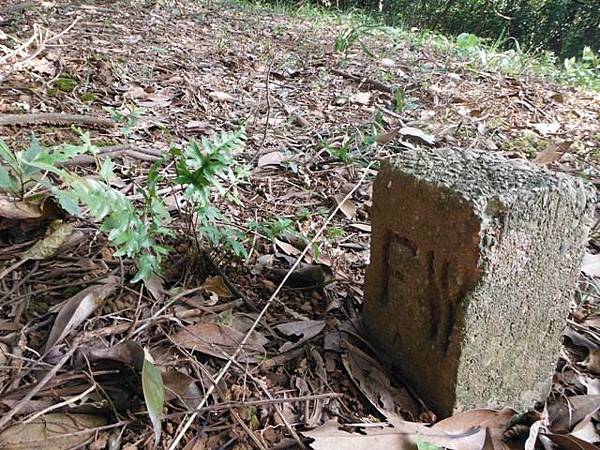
(135,231)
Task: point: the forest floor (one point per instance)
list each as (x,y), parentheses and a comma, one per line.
(316,120)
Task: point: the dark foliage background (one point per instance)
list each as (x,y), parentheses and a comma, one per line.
(562,26)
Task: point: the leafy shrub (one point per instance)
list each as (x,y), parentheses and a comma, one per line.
(136,231)
(564,27)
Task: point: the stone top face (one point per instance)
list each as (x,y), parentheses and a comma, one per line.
(484,178)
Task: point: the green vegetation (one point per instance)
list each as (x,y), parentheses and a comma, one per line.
(65,84)
(137,231)
(500,49)
(273,228)
(564,27)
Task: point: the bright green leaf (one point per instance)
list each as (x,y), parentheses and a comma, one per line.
(7,182)
(7,156)
(106,170)
(423,445)
(154,394)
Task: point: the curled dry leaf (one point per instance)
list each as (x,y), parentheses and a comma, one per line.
(330,436)
(566,412)
(288,249)
(484,424)
(417,134)
(51,432)
(348,208)
(402,436)
(154,285)
(546,128)
(78,308)
(586,429)
(552,153)
(305,329)
(565,442)
(129,353)
(181,386)
(56,235)
(44,209)
(592,362)
(371,379)
(217,285)
(361,98)
(218,340)
(270,159)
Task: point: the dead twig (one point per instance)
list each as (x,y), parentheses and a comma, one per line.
(67,402)
(268,99)
(38,387)
(55,119)
(232,287)
(378,85)
(262,402)
(39,35)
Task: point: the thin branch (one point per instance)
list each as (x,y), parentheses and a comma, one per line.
(61,404)
(38,387)
(268,98)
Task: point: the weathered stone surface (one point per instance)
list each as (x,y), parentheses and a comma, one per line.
(474,261)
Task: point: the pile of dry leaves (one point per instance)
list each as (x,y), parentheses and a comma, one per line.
(77,339)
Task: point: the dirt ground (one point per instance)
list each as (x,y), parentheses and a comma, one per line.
(318,124)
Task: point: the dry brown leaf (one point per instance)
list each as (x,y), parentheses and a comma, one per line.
(176,383)
(270,159)
(51,432)
(547,156)
(566,412)
(221,97)
(591,264)
(417,134)
(586,429)
(78,308)
(56,235)
(546,128)
(217,285)
(14,211)
(305,329)
(592,362)
(348,208)
(329,436)
(41,65)
(388,136)
(552,153)
(494,424)
(361,98)
(218,340)
(402,436)
(567,442)
(129,353)
(154,285)
(361,226)
(10,209)
(287,248)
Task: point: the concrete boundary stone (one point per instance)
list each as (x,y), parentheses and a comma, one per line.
(474,262)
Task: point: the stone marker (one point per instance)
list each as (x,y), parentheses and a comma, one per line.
(474,262)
